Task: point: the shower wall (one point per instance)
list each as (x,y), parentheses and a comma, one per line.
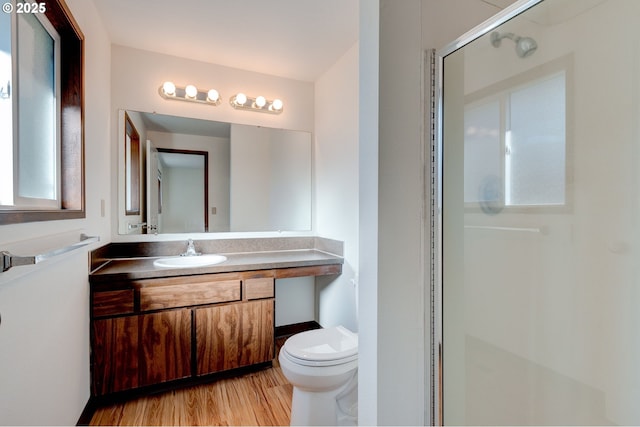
(540,302)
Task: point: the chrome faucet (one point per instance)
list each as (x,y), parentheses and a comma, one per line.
(191,249)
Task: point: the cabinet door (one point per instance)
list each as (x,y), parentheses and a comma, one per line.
(234,335)
(165,341)
(114,355)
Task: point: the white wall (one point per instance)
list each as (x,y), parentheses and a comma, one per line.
(295,301)
(44,334)
(270,179)
(137,75)
(401,320)
(250,170)
(291,180)
(445,21)
(368,100)
(336,172)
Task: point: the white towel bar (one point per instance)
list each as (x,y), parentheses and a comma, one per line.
(9,260)
(541,230)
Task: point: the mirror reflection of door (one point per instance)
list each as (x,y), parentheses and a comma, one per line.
(153,189)
(178,190)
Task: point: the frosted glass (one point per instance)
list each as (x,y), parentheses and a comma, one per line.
(36,111)
(6,112)
(482,151)
(536,156)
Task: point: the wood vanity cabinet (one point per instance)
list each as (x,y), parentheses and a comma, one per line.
(151,331)
(234,335)
(156,330)
(115,354)
(134,351)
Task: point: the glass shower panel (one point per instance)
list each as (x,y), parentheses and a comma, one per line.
(540,219)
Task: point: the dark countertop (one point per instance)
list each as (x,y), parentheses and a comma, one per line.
(143,268)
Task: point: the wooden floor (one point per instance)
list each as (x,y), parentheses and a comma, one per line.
(258,398)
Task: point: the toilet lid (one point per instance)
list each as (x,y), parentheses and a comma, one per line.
(323,345)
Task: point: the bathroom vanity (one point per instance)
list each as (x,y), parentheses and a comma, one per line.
(152,325)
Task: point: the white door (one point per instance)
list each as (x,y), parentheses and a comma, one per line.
(154,189)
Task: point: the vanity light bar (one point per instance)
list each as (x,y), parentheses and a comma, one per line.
(241,101)
(168,90)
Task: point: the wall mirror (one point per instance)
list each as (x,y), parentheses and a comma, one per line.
(207,176)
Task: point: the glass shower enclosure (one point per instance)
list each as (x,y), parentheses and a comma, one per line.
(537,206)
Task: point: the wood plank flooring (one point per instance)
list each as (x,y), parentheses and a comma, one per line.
(258,399)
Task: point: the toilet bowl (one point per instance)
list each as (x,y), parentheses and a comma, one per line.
(322,366)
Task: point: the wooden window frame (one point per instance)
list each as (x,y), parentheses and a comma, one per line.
(72,191)
(132,189)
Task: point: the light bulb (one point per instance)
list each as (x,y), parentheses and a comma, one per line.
(276,105)
(191,91)
(169,88)
(213,95)
(261,102)
(241,98)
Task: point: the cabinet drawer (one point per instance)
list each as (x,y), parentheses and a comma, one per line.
(188,293)
(258,288)
(112,302)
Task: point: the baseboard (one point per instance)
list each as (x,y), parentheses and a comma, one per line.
(286,330)
(87,413)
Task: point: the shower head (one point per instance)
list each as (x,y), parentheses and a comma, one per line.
(525,46)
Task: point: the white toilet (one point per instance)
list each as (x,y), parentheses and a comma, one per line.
(322,366)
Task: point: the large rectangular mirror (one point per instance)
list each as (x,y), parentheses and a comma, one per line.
(207,176)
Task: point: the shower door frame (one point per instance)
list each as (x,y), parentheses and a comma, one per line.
(435,74)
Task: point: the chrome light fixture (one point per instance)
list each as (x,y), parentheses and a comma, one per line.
(168,90)
(240,101)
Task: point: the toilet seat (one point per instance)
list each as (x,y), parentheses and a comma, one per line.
(322,347)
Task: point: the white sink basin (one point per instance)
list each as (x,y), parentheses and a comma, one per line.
(189,261)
